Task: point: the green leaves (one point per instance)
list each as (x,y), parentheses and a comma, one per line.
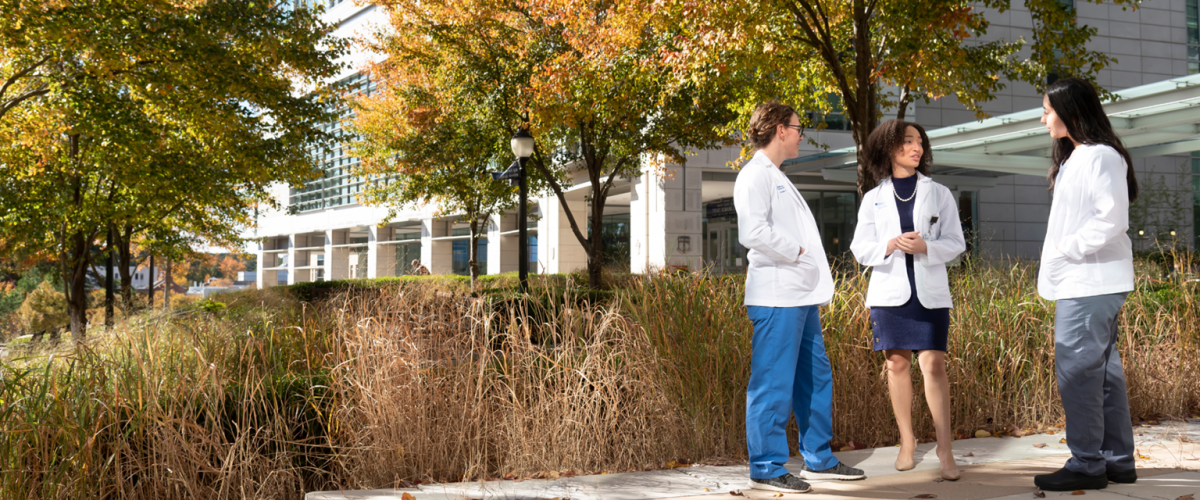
(172,118)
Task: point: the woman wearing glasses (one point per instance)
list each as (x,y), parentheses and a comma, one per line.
(908,228)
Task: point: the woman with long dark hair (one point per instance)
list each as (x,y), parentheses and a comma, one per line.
(908,229)
(1087,267)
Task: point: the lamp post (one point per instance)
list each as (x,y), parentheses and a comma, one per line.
(522,148)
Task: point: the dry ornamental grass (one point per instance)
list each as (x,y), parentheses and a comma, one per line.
(415,379)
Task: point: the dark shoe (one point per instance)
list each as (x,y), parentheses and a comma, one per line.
(841,472)
(1122,477)
(786,483)
(1065,480)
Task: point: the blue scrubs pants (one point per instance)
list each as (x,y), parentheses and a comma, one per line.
(789,372)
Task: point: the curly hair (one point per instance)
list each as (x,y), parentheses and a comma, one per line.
(883,144)
(765,121)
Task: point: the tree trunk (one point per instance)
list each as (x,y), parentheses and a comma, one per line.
(903,106)
(124,265)
(78,251)
(596,241)
(863,118)
(473,244)
(150,288)
(108,279)
(167,280)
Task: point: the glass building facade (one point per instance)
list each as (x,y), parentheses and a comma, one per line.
(337,185)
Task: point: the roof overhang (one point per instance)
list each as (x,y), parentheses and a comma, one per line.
(1158,119)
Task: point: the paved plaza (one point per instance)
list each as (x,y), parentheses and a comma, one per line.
(992,468)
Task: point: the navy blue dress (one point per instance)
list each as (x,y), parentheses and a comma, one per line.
(909,327)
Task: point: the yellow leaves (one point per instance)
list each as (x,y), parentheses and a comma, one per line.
(982,433)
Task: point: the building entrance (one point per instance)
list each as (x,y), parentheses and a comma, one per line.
(722,252)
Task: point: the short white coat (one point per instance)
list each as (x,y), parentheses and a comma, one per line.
(879,221)
(774,223)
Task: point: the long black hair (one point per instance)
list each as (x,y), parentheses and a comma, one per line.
(882,145)
(1077,104)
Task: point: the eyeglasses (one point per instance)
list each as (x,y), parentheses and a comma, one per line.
(799,128)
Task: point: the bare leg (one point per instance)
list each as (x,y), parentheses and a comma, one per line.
(900,388)
(937,394)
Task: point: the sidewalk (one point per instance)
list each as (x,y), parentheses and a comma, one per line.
(992,468)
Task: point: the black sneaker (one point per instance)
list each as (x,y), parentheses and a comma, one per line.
(786,483)
(1122,477)
(1065,480)
(841,472)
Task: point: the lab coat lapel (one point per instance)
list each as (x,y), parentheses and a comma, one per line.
(791,188)
(920,215)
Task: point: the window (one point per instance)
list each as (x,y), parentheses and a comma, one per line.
(1196,200)
(834,119)
(462,256)
(336,187)
(614,232)
(1193,36)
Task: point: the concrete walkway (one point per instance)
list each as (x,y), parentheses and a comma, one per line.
(992,468)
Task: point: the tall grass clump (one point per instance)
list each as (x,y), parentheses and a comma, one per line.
(372,384)
(182,405)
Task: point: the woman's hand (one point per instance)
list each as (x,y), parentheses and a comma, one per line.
(911,243)
(893,245)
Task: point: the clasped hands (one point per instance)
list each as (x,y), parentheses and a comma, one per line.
(910,243)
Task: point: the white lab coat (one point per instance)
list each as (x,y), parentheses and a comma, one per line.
(774,223)
(1087,252)
(879,221)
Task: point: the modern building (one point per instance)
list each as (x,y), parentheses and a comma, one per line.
(684,216)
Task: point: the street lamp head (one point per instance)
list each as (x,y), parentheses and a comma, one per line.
(522,144)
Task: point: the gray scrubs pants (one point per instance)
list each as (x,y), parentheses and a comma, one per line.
(1092,383)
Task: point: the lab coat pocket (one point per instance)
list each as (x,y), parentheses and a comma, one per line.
(935,231)
(802,276)
(1057,267)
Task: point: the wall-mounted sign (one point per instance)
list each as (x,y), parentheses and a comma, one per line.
(719,208)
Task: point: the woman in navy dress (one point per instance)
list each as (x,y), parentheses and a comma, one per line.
(908,228)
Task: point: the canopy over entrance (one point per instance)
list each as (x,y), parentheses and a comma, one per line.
(1158,119)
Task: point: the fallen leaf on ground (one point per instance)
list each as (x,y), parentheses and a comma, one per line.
(1078,492)
(705,489)
(926,495)
(969,454)
(407,496)
(1063,440)
(779,494)
(1039,494)
(1040,445)
(1188,496)
(1144,457)
(737,493)
(846,448)
(982,433)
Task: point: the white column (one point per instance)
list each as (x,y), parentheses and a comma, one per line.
(502,250)
(337,260)
(291,261)
(261,259)
(665,219)
(379,262)
(427,243)
(441,253)
(559,251)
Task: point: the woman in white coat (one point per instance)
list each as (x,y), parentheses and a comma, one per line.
(1087,268)
(908,228)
